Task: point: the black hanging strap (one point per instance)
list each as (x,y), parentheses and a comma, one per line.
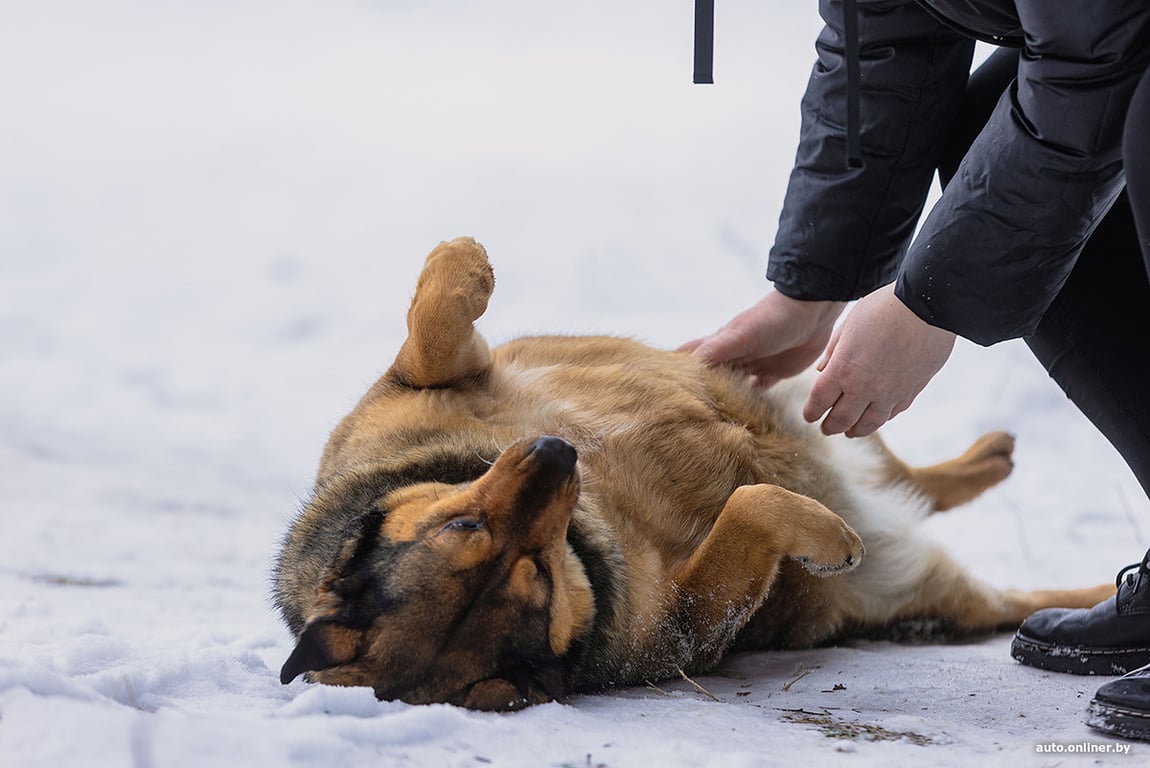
(704,41)
(854,82)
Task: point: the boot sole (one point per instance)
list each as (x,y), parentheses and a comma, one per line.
(1077,661)
(1118,721)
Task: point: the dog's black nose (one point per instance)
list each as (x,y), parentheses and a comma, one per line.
(554,451)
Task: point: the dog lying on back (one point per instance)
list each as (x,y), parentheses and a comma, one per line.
(496,528)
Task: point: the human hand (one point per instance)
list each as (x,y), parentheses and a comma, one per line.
(877,362)
(776,338)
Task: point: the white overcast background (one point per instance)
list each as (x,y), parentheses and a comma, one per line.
(212,215)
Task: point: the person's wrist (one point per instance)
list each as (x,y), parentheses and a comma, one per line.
(817,312)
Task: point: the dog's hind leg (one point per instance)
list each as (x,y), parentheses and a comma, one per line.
(728,576)
(948,593)
(442,347)
(957,481)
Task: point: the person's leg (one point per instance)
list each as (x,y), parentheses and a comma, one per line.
(1136,159)
(1092,341)
(1085,340)
(1084,344)
(1122,707)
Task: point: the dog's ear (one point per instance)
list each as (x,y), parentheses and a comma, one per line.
(347,599)
(323,645)
(442,347)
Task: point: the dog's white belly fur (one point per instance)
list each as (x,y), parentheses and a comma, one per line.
(887,518)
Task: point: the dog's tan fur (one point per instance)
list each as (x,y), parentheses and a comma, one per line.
(450,554)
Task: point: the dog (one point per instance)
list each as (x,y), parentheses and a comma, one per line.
(495,528)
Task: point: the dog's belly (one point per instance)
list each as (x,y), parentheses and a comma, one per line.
(663,441)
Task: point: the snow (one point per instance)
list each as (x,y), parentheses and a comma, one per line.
(213,217)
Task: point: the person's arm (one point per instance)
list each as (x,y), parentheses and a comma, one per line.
(998,246)
(843,231)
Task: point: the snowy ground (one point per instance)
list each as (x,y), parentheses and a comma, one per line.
(212,218)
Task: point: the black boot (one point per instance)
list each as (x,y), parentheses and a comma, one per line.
(1122,706)
(1112,638)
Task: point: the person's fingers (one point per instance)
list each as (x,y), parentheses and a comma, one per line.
(705,349)
(690,346)
(763,381)
(727,346)
(829,349)
(709,352)
(871,419)
(902,406)
(844,414)
(824,394)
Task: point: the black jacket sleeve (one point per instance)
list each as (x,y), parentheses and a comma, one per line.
(996,249)
(844,231)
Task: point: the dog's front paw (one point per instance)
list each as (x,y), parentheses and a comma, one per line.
(826,545)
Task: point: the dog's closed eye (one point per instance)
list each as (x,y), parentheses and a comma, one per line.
(465,524)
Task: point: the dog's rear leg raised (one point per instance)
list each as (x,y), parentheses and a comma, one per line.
(957,481)
(442,347)
(728,576)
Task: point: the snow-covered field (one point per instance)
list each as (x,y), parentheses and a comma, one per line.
(211,219)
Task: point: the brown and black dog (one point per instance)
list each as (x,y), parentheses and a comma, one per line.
(495,528)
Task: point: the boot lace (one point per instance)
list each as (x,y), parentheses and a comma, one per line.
(1134,573)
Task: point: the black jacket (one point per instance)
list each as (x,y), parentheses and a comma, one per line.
(997,247)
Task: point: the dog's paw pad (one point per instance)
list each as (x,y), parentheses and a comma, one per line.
(456,282)
(465,260)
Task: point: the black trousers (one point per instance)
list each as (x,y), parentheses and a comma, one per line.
(1095,339)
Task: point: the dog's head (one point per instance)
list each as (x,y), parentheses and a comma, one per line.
(465,594)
